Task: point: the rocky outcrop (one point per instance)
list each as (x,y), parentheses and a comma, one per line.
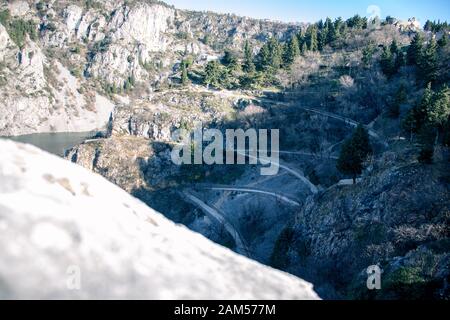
(68,233)
(396,217)
(107,48)
(412,25)
(39,94)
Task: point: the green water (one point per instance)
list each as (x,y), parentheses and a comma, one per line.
(56,143)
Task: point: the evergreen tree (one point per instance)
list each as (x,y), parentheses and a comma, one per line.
(276,53)
(270,58)
(354,152)
(362,142)
(320,25)
(270,55)
(339,26)
(387,62)
(389,20)
(311,38)
(418,115)
(443,41)
(439,110)
(428,26)
(322,38)
(291,51)
(429,119)
(248,65)
(367,55)
(357,22)
(301,39)
(428,63)
(333,34)
(415,49)
(230,61)
(397,55)
(264,57)
(212,74)
(394,47)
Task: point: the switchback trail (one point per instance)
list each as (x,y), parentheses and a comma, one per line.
(248,190)
(241,247)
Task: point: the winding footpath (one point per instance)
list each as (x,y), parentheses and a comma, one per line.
(213,213)
(249,190)
(298,174)
(307,154)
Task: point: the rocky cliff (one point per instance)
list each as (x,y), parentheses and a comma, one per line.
(397,218)
(64,65)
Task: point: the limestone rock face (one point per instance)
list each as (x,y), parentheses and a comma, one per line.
(68,233)
(388,218)
(107,47)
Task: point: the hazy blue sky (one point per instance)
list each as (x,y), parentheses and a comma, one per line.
(313,10)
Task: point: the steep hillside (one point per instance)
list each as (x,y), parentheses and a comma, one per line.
(397,217)
(63,62)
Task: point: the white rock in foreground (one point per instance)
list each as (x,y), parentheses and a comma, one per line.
(58,221)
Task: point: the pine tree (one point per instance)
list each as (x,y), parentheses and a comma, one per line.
(322,38)
(428,63)
(230,61)
(311,38)
(417,116)
(394,47)
(291,51)
(354,152)
(270,57)
(428,26)
(248,65)
(331,35)
(357,22)
(443,41)
(415,49)
(212,74)
(439,110)
(276,53)
(387,62)
(301,39)
(362,142)
(264,57)
(339,27)
(367,54)
(397,55)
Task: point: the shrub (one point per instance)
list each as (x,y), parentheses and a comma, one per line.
(407,283)
(4,17)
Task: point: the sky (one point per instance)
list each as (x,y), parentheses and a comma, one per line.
(314,10)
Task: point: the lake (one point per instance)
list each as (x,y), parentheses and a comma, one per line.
(56,143)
